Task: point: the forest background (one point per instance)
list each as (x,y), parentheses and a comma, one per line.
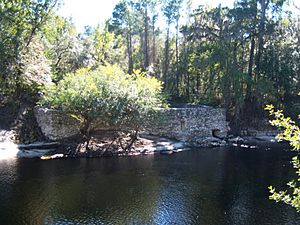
(240,58)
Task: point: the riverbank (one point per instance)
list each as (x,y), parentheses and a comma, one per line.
(110,147)
(181,130)
(145,145)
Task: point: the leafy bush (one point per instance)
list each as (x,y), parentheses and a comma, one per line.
(291,133)
(105,97)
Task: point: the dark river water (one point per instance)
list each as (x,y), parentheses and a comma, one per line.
(205,186)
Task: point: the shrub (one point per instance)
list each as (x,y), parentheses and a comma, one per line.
(291,133)
(105,97)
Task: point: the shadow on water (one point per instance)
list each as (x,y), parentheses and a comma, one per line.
(204,186)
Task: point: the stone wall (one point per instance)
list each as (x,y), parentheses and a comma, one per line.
(55,124)
(192,125)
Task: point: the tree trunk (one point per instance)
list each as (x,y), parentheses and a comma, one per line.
(187,89)
(177,58)
(236,128)
(298,46)
(146,52)
(128,146)
(226,88)
(85,131)
(153,42)
(237,85)
(250,70)
(264,6)
(142,50)
(166,61)
(210,86)
(129,53)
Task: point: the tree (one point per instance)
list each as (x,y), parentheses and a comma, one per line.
(62,46)
(171,13)
(20,21)
(123,23)
(256,15)
(101,47)
(35,66)
(105,97)
(291,133)
(238,58)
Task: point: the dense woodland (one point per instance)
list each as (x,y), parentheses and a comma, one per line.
(240,58)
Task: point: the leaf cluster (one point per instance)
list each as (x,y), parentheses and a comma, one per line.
(107,95)
(291,133)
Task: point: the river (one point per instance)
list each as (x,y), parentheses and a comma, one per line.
(221,186)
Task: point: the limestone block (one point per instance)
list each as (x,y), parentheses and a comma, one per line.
(193,125)
(55,124)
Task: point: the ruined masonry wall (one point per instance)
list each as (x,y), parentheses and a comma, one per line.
(192,125)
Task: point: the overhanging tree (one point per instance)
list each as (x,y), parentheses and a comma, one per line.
(291,133)
(106,97)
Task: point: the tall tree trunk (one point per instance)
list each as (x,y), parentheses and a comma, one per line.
(142,49)
(146,27)
(237,85)
(210,85)
(250,70)
(226,82)
(187,89)
(298,45)
(166,61)
(264,6)
(153,41)
(177,58)
(129,53)
(198,84)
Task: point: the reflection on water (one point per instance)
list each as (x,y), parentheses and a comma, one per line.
(205,186)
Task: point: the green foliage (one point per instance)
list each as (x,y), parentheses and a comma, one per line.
(171,10)
(291,133)
(291,197)
(203,60)
(135,21)
(24,67)
(62,47)
(101,47)
(34,64)
(105,96)
(20,21)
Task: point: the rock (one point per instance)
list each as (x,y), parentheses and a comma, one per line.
(263,142)
(181,150)
(156,144)
(167,152)
(55,156)
(220,143)
(39,145)
(236,140)
(266,138)
(210,142)
(107,153)
(260,139)
(7,135)
(180,145)
(33,153)
(55,124)
(10,150)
